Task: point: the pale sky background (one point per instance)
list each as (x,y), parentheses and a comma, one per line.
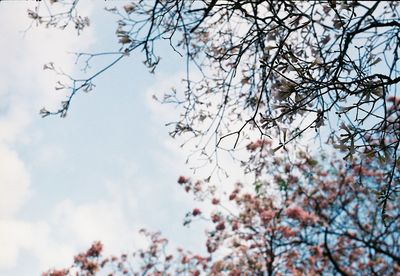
(102,173)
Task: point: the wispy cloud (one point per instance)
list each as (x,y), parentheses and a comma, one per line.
(24,89)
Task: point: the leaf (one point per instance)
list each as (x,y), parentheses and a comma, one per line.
(344,109)
(282,184)
(343,126)
(257,186)
(326,39)
(125,39)
(48,66)
(129,8)
(245,80)
(89,87)
(44,112)
(376,61)
(340,147)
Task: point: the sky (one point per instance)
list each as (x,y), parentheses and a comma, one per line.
(106,170)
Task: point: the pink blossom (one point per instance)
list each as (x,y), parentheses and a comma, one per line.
(182,180)
(235,225)
(215,201)
(95,249)
(267,216)
(232,196)
(220,226)
(215,218)
(196,212)
(286,231)
(299,214)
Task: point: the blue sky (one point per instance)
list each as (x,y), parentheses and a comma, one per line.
(102,173)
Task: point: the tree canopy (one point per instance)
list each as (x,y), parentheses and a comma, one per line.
(275,68)
(318,222)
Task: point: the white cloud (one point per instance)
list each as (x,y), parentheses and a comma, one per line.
(13,236)
(14,182)
(35,238)
(24,89)
(103,220)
